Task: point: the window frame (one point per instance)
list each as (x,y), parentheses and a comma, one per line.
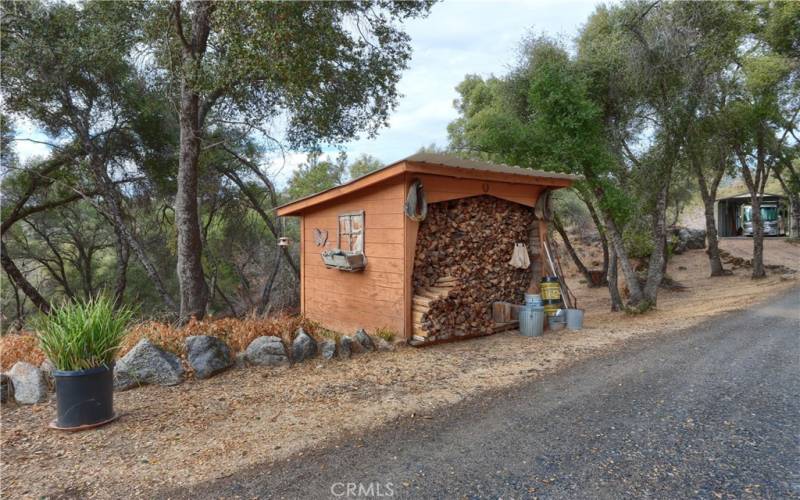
(350,234)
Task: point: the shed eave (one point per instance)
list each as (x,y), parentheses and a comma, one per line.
(434,164)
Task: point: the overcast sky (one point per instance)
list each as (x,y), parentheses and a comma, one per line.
(457,38)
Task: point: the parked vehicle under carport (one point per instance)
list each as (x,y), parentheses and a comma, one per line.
(771,219)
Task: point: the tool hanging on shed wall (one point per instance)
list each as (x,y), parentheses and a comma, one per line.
(416,206)
(542,210)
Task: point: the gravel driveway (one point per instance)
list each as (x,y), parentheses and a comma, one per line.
(710,413)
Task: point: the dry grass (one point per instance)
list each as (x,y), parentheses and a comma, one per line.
(237,333)
(386,334)
(256,416)
(23,346)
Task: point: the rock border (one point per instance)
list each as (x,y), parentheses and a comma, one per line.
(148,364)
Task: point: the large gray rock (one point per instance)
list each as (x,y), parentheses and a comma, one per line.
(695,238)
(266,351)
(146,364)
(345,347)
(328,348)
(30,386)
(6,389)
(364,340)
(304,346)
(207,355)
(383,345)
(684,238)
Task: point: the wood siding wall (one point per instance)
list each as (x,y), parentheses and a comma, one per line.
(370,299)
(380,296)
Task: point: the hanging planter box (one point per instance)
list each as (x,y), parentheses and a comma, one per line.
(344,261)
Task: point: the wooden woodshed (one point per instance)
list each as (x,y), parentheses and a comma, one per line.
(366,263)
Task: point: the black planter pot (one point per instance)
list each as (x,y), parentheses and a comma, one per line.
(84,398)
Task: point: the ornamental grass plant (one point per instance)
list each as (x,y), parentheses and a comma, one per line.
(84,334)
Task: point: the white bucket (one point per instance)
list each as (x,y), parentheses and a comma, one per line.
(574,319)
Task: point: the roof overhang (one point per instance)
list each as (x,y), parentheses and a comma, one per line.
(746,197)
(434,164)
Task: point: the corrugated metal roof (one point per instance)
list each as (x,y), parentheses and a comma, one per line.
(746,195)
(453,162)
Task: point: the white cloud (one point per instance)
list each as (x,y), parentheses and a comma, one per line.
(280,168)
(460,38)
(457,38)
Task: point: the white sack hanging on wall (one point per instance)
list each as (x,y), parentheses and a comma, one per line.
(519,258)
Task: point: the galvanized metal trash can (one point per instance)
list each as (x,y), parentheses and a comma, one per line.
(574,319)
(531,316)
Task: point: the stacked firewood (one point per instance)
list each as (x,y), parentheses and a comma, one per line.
(461,265)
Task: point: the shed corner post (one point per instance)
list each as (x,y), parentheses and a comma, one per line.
(410,230)
(302,265)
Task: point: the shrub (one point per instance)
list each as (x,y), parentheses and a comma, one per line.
(385,333)
(85,334)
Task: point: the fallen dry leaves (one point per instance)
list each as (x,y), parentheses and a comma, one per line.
(200,430)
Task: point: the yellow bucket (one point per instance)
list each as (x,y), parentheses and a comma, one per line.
(550,290)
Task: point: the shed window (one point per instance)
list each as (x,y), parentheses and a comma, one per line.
(351,232)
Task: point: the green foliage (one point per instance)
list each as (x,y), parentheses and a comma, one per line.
(85,334)
(329,69)
(363,165)
(638,242)
(386,334)
(570,208)
(316,175)
(541,116)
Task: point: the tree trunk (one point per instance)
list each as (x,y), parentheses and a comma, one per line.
(621,254)
(194,292)
(116,213)
(794,216)
(603,240)
(756,188)
(611,281)
(254,202)
(758,238)
(535,254)
(123,255)
(655,270)
(712,240)
(572,253)
(265,294)
(709,196)
(19,306)
(657,266)
(793,224)
(21,282)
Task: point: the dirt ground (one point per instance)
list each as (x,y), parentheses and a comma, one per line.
(173,436)
(777,251)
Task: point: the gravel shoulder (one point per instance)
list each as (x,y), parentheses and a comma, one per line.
(200,431)
(710,413)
